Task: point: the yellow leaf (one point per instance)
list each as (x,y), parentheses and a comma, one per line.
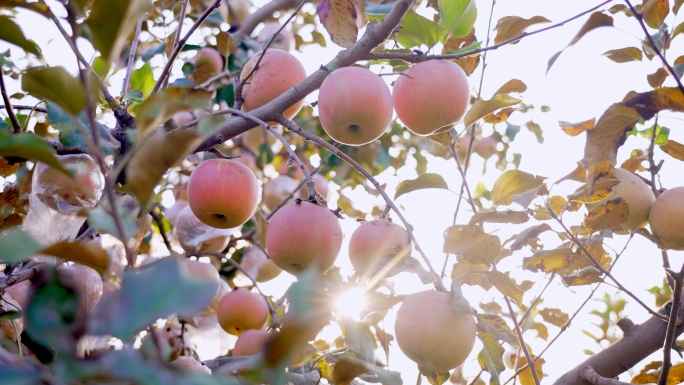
(513,85)
(499,117)
(514,182)
(472,243)
(650,103)
(674,149)
(89,254)
(633,164)
(657,78)
(339,19)
(655,12)
(624,55)
(554,316)
(550,261)
(596,20)
(574,129)
(527,234)
(505,285)
(612,214)
(427,180)
(515,217)
(512,26)
(463,266)
(481,108)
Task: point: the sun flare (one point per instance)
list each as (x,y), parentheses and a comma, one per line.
(351,302)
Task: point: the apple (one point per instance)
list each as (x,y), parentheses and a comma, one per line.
(259,265)
(436,330)
(195,237)
(374,243)
(86,282)
(354,105)
(239,10)
(303,235)
(637,194)
(248,160)
(241,310)
(276,189)
(437,96)
(189,364)
(485,147)
(254,138)
(66,195)
(203,318)
(278,72)
(250,342)
(283,41)
(173,212)
(208,63)
(322,186)
(223,193)
(667,218)
(181,118)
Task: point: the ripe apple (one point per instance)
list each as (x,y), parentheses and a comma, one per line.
(354,105)
(259,265)
(241,310)
(239,10)
(66,195)
(223,193)
(250,342)
(276,189)
(437,96)
(637,194)
(485,147)
(257,136)
(207,317)
(204,271)
(208,63)
(278,72)
(667,218)
(302,235)
(248,160)
(86,282)
(195,237)
(435,329)
(322,186)
(181,118)
(283,41)
(189,364)
(374,243)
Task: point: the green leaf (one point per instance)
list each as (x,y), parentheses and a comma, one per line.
(12,33)
(111,25)
(339,19)
(17,245)
(54,84)
(101,219)
(147,294)
(73,133)
(29,146)
(457,17)
(142,80)
(482,108)
(424,181)
(417,30)
(161,107)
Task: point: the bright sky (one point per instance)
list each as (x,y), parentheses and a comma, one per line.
(580,86)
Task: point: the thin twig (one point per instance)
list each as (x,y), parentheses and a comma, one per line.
(523,346)
(309,136)
(25,274)
(328,354)
(167,68)
(8,105)
(157,217)
(672,324)
(131,60)
(24,107)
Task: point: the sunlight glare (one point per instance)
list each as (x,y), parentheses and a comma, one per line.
(351,302)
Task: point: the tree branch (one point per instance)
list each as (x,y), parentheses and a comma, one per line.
(589,374)
(16,125)
(131,59)
(261,14)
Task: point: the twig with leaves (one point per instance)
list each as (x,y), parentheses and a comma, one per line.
(125,86)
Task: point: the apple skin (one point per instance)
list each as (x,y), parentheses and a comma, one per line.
(276,189)
(436,330)
(241,310)
(223,193)
(485,147)
(181,118)
(250,343)
(374,243)
(638,196)
(322,186)
(354,106)
(172,213)
(189,364)
(257,263)
(303,235)
(278,72)
(195,237)
(85,281)
(208,63)
(437,96)
(667,218)
(66,195)
(283,41)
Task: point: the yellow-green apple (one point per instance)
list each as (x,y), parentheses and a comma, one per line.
(66,195)
(436,330)
(374,243)
(436,95)
(223,193)
(241,310)
(667,218)
(278,72)
(303,235)
(354,105)
(250,342)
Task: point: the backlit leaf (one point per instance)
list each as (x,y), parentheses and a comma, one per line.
(657,78)
(527,234)
(513,85)
(585,276)
(339,19)
(554,316)
(515,217)
(574,129)
(514,182)
(417,30)
(624,55)
(161,106)
(674,149)
(596,20)
(142,80)
(12,33)
(512,26)
(89,254)
(457,17)
(496,326)
(28,146)
(481,108)
(17,245)
(677,5)
(550,261)
(424,181)
(490,357)
(471,242)
(505,285)
(462,269)
(607,216)
(603,141)
(53,83)
(650,103)
(435,378)
(677,30)
(111,26)
(655,12)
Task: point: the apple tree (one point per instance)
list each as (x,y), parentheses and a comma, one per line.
(183,155)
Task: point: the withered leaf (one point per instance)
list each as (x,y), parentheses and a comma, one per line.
(674,149)
(472,243)
(607,216)
(650,103)
(574,129)
(527,234)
